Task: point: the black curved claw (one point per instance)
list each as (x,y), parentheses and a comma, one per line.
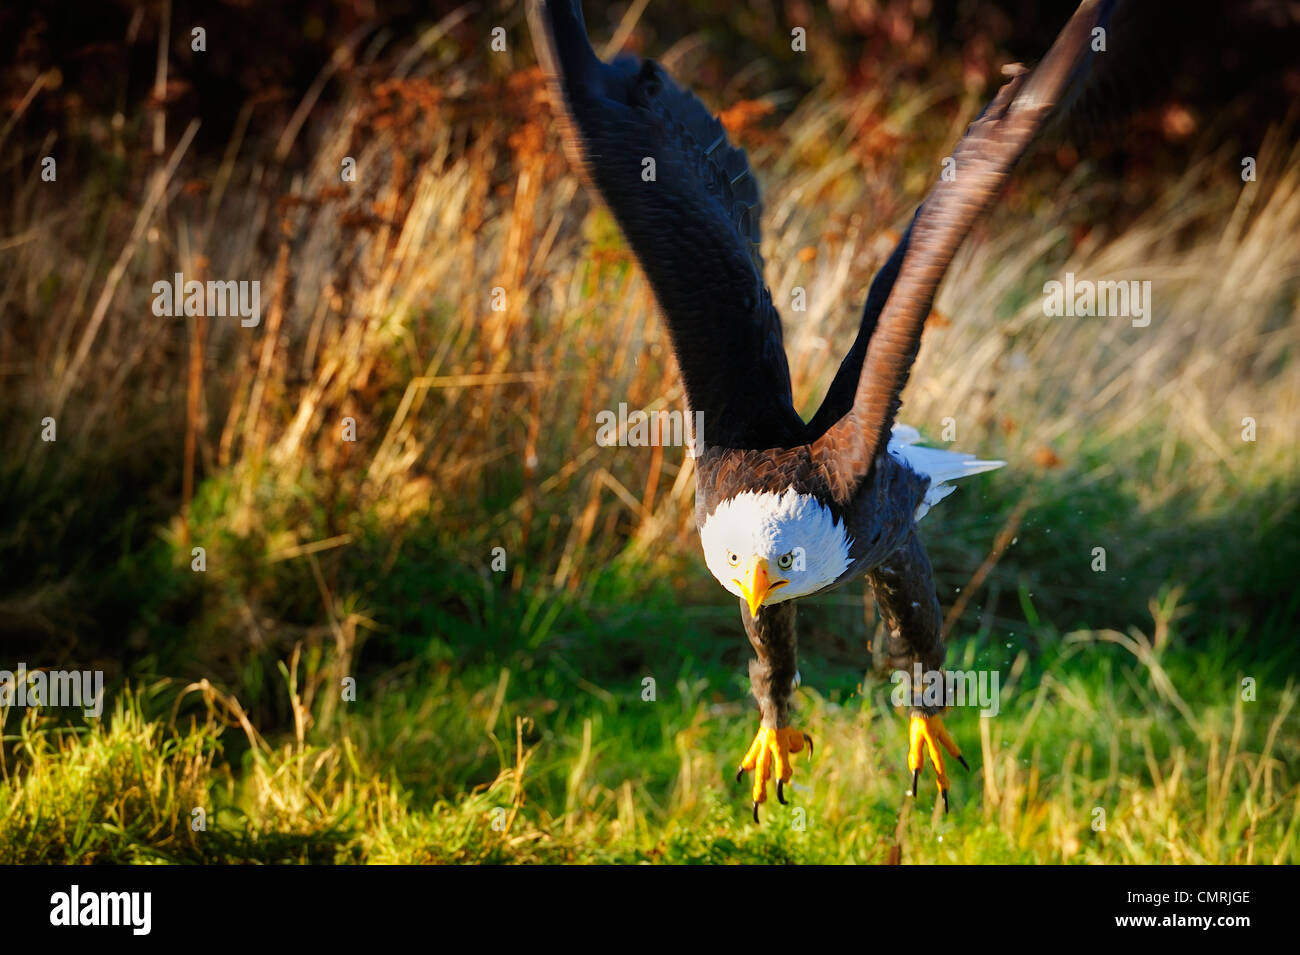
(916,780)
(740,774)
(808,739)
(965,765)
(780,792)
(944,793)
(755,813)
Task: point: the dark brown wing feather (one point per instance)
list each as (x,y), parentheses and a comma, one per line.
(694,229)
(983,159)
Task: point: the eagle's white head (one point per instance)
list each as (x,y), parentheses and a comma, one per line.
(767,547)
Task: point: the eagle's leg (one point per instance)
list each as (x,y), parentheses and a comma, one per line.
(905,594)
(772,676)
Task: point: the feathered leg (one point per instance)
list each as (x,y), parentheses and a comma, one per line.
(772,676)
(905,594)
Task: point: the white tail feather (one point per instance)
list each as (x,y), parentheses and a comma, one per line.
(938,465)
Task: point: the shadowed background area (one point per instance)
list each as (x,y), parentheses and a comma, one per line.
(349,464)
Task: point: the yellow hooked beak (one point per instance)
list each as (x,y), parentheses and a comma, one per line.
(755,584)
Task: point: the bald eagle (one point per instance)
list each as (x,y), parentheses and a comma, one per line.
(787,508)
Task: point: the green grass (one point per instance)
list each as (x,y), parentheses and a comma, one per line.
(528,764)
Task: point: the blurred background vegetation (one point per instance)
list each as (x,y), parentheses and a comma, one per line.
(499,716)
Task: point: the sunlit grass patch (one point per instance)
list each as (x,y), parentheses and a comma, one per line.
(1095,756)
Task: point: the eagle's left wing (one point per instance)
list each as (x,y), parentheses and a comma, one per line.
(877,367)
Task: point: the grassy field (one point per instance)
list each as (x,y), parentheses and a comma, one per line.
(1148,710)
(1098,758)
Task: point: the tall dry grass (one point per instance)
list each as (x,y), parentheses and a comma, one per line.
(378,306)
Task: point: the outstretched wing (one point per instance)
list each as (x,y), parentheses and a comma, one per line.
(877,367)
(691,217)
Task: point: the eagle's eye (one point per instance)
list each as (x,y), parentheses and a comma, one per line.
(785,561)
(733,559)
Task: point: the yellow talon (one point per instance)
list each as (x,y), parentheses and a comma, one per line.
(772,747)
(927,734)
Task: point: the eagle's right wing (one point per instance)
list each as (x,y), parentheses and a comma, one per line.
(694,226)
